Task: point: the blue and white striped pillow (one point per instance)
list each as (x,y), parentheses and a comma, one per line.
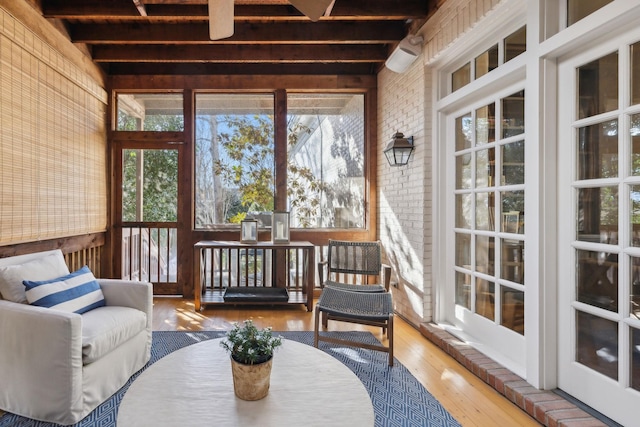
(77,292)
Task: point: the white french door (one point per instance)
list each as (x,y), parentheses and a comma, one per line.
(599,227)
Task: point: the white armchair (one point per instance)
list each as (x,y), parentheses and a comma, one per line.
(57,366)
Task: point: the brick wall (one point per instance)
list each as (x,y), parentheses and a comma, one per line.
(405,193)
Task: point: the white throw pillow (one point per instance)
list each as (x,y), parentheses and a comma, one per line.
(45,268)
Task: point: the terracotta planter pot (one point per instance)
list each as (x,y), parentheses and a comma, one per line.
(251,382)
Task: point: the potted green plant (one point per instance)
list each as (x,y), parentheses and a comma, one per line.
(251,351)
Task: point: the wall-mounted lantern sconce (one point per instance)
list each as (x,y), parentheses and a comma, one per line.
(399,149)
(404,54)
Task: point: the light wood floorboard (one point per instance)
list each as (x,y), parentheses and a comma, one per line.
(471,401)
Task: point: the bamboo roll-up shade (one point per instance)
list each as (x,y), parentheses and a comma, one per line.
(53,177)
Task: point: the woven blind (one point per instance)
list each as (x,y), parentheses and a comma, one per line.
(53,178)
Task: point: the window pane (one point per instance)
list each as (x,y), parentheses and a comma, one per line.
(234,158)
(463,171)
(634,309)
(150,112)
(598,86)
(325,171)
(578,9)
(150,185)
(485,253)
(635,358)
(513,115)
(463,289)
(515,44)
(513,163)
(634,194)
(463,132)
(598,151)
(513,309)
(485,298)
(461,77)
(635,144)
(513,260)
(635,73)
(597,279)
(598,214)
(513,211)
(485,211)
(463,250)
(486,168)
(487,61)
(597,344)
(464,211)
(486,124)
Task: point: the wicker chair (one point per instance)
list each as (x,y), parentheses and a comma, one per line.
(353,265)
(348,295)
(369,308)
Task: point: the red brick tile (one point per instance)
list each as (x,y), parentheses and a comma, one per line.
(542,408)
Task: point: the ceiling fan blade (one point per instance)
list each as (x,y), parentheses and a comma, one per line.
(313,9)
(220,19)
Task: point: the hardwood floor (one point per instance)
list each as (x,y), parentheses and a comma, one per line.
(466,397)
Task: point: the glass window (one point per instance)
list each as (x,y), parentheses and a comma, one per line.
(485,298)
(515,44)
(461,77)
(484,211)
(463,290)
(634,132)
(513,309)
(485,254)
(486,61)
(513,211)
(463,132)
(513,163)
(598,150)
(598,86)
(597,343)
(634,195)
(325,170)
(597,214)
(486,124)
(635,73)
(635,359)
(463,250)
(150,112)
(464,211)
(512,261)
(513,114)
(578,9)
(234,158)
(485,168)
(597,279)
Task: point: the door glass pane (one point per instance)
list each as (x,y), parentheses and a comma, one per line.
(597,344)
(463,132)
(487,61)
(513,114)
(597,214)
(513,260)
(634,131)
(486,124)
(485,298)
(634,300)
(485,253)
(598,150)
(150,112)
(463,171)
(598,86)
(513,163)
(234,163)
(326,158)
(149,185)
(635,215)
(578,9)
(597,279)
(485,211)
(515,44)
(463,250)
(463,289)
(512,309)
(485,168)
(461,77)
(513,212)
(635,358)
(464,211)
(635,73)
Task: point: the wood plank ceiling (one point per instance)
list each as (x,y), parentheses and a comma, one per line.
(271,37)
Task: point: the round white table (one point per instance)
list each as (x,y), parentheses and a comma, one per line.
(193,386)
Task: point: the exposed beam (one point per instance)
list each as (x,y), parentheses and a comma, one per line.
(258,33)
(351,10)
(140,6)
(241,54)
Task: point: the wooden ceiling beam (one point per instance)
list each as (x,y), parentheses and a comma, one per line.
(258,33)
(350,10)
(240,53)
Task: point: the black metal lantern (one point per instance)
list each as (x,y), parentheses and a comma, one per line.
(399,149)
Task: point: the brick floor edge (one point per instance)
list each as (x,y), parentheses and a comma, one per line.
(546,407)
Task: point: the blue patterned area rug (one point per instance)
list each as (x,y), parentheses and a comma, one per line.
(398,397)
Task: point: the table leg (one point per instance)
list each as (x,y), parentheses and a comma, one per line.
(198,279)
(311,274)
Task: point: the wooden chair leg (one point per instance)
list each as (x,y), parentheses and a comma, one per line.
(390,334)
(325,319)
(316,325)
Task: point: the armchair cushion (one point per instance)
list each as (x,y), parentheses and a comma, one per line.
(77,292)
(44,268)
(107,328)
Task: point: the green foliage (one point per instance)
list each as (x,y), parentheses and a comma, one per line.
(250,345)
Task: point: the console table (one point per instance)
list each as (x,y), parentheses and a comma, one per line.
(303,296)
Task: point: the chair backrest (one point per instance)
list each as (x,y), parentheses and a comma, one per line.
(346,257)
